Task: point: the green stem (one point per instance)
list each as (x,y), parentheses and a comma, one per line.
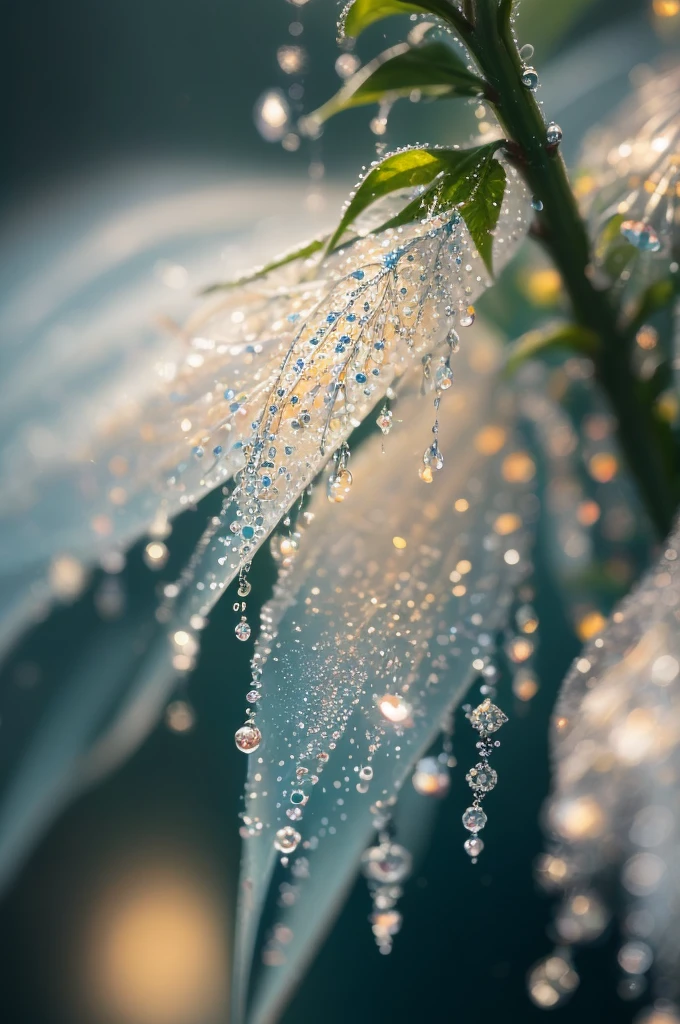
(564,235)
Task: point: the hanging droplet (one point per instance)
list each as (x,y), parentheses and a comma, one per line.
(467,317)
(482,778)
(641,235)
(248,738)
(530,78)
(272,115)
(384,420)
(242,629)
(244,588)
(527,52)
(431,778)
(474,819)
(552,981)
(366,773)
(553,134)
(487,718)
(339,485)
(453,339)
(287,839)
(444,376)
(473,846)
(536,204)
(253,696)
(388,863)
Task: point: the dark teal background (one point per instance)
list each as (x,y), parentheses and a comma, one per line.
(88,84)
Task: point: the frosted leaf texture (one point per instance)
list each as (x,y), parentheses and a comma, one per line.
(368,641)
(615,805)
(331,348)
(630,172)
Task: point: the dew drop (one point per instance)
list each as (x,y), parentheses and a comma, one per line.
(248,738)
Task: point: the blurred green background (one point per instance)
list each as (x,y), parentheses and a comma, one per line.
(123,914)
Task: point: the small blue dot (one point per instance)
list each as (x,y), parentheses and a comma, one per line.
(358,275)
(360,378)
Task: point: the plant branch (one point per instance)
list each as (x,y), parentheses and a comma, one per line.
(564,236)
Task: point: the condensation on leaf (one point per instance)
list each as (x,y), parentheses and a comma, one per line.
(615,806)
(367,643)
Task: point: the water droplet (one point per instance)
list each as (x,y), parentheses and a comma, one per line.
(537,204)
(272,115)
(553,134)
(444,376)
(248,738)
(387,863)
(552,981)
(467,317)
(431,778)
(473,846)
(530,78)
(244,588)
(482,778)
(384,420)
(453,339)
(487,718)
(641,235)
(339,485)
(253,696)
(474,819)
(287,839)
(242,630)
(366,773)
(527,52)
(299,798)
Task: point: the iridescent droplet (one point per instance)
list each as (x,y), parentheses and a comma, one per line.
(272,115)
(641,235)
(553,134)
(444,376)
(473,846)
(474,819)
(384,420)
(482,778)
(530,78)
(388,863)
(339,485)
(242,630)
(248,738)
(253,696)
(287,839)
(467,317)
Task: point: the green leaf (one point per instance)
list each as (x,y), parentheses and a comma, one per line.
(482,210)
(535,344)
(358,15)
(434,69)
(303,252)
(469,178)
(656,297)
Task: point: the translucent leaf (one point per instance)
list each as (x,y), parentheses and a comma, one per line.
(302,252)
(104,389)
(459,175)
(340,343)
(369,639)
(359,14)
(434,69)
(629,184)
(615,806)
(556,337)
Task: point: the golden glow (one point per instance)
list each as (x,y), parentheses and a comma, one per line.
(666,8)
(507,523)
(399,543)
(543,287)
(461,505)
(590,625)
(603,467)
(490,440)
(587,512)
(156,952)
(518,468)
